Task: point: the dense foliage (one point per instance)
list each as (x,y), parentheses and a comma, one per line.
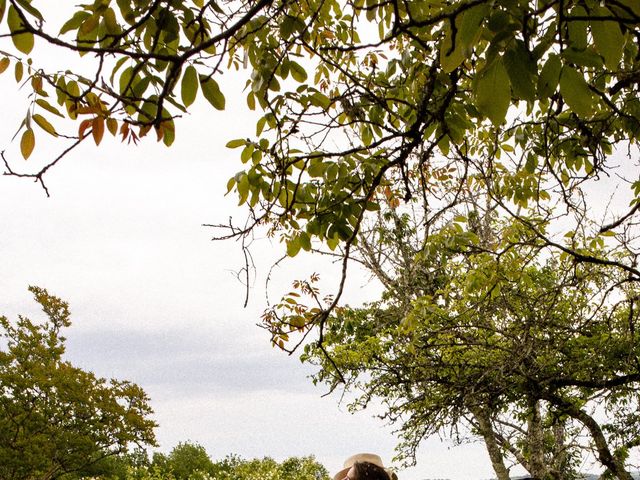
(55,418)
(528,354)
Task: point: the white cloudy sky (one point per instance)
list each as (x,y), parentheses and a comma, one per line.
(154,300)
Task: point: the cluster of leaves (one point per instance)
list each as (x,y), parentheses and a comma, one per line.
(365,103)
(56,418)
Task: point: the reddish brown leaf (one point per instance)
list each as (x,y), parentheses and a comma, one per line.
(124,131)
(83,127)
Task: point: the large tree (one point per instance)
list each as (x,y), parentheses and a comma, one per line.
(57,419)
(533,353)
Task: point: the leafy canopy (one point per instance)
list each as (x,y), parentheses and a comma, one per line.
(362,103)
(56,418)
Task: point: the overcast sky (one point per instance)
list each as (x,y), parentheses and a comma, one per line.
(155,301)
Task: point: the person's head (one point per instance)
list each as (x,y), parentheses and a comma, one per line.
(364,466)
(367,471)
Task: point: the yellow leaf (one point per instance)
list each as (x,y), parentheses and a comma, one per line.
(4,64)
(112,126)
(36,83)
(19,70)
(27,142)
(44,124)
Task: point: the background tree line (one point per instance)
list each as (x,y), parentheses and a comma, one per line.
(190,461)
(58,421)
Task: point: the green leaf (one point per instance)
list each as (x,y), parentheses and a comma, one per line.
(293,246)
(493,92)
(587,57)
(74,22)
(305,241)
(450,57)
(240,142)
(242,187)
(608,38)
(125,79)
(26,5)
(247,151)
(297,72)
(23,41)
(578,29)
(576,92)
(468,30)
(627,7)
(549,77)
(89,24)
(111,22)
(471,25)
(212,93)
(522,70)
(317,168)
(189,86)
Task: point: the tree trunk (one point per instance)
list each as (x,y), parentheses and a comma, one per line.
(486,430)
(535,440)
(560,469)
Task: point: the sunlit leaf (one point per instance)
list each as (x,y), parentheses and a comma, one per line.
(23,41)
(74,22)
(42,103)
(28,7)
